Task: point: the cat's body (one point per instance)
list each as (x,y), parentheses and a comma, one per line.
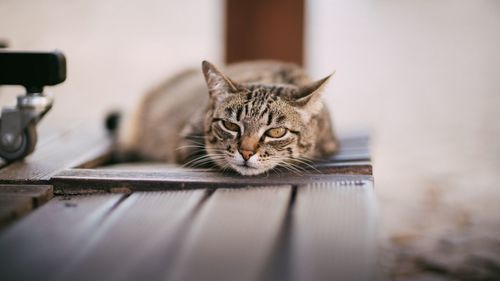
(252,118)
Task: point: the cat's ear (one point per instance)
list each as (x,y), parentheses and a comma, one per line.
(218,84)
(310,92)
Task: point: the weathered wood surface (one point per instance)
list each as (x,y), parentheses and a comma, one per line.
(38,193)
(355,147)
(13,207)
(36,247)
(72,148)
(334,232)
(138,241)
(77,181)
(321,231)
(234,234)
(18,200)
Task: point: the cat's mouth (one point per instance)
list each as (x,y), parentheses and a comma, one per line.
(247,170)
(250,167)
(246,166)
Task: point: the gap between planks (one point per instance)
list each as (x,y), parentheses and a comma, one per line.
(233,235)
(138,240)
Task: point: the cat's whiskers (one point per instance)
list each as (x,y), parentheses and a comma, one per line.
(308,163)
(293,168)
(278,162)
(283,169)
(203,159)
(209,163)
(190,146)
(275,170)
(226,168)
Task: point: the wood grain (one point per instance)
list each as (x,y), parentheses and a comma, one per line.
(18,200)
(72,148)
(38,193)
(37,246)
(76,181)
(12,208)
(233,235)
(334,232)
(139,239)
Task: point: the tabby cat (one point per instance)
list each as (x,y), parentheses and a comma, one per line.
(255,117)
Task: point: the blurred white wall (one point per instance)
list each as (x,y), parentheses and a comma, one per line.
(116,50)
(424,77)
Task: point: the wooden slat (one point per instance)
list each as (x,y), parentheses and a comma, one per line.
(40,244)
(354,139)
(353,147)
(72,148)
(91,180)
(139,239)
(333,232)
(12,208)
(38,193)
(18,200)
(233,236)
(343,168)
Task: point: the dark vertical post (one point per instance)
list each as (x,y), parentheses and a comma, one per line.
(265,29)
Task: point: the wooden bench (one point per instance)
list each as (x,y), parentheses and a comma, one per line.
(152,222)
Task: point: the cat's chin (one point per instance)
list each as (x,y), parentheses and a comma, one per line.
(248,171)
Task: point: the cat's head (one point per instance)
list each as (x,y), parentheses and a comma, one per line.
(253,128)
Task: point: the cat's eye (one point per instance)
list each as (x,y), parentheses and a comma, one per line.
(276,132)
(230,126)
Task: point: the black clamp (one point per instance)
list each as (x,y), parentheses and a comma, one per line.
(34,71)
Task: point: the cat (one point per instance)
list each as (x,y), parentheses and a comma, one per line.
(254,117)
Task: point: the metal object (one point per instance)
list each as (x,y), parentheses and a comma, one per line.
(33,71)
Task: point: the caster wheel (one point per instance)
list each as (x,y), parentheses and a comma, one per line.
(20,147)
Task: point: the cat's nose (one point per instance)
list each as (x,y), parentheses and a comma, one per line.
(246,154)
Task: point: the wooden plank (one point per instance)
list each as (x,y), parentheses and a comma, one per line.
(18,200)
(353,147)
(342,168)
(355,155)
(92,180)
(72,148)
(233,235)
(12,208)
(334,232)
(37,246)
(139,239)
(38,193)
